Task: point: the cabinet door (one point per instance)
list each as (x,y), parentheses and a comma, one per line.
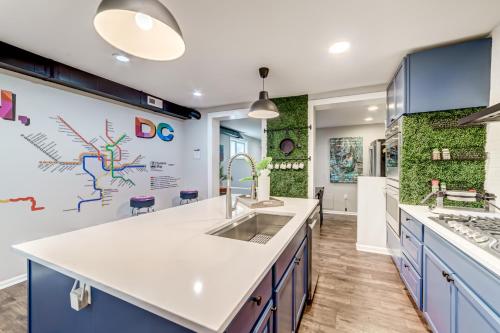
(437,295)
(284,303)
(265,323)
(400,91)
(450,77)
(470,313)
(391,104)
(300,282)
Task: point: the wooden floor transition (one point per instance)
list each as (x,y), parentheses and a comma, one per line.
(357,292)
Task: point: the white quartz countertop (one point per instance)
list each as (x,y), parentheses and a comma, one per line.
(483,257)
(166,263)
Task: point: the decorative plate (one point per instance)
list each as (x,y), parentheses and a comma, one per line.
(287,146)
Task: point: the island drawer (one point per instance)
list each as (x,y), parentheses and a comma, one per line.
(412,280)
(412,248)
(253,307)
(413,225)
(287,256)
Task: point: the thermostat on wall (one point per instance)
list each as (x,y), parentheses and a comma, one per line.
(156,102)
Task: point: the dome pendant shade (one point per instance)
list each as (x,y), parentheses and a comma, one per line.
(142,28)
(263,108)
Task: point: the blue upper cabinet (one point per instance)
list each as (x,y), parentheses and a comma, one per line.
(444,78)
(450,77)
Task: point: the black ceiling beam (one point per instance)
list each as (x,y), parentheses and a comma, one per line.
(21,61)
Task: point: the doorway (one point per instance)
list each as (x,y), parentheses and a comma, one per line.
(230,132)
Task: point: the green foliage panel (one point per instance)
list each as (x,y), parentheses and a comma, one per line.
(420,137)
(293,113)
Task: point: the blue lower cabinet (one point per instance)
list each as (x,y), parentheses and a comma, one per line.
(50,310)
(437,293)
(266,321)
(300,283)
(284,303)
(470,313)
(291,293)
(412,280)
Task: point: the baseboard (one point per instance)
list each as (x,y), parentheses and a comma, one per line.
(12,281)
(339,212)
(373,249)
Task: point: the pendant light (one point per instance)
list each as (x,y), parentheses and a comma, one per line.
(263,108)
(143,28)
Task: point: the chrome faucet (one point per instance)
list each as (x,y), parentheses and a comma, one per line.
(229,205)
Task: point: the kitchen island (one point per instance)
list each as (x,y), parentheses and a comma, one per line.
(163,267)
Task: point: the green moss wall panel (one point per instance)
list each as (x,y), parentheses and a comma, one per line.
(421,136)
(293,113)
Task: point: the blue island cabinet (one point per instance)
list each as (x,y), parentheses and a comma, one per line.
(49,309)
(291,293)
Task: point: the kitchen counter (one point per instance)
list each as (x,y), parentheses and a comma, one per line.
(166,263)
(422,214)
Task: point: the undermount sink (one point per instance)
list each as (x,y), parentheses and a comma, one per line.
(256,227)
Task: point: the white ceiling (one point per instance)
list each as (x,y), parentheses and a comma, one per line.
(350,113)
(248,126)
(227,40)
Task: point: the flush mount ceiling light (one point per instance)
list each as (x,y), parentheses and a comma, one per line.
(197,93)
(372,108)
(369,119)
(339,47)
(143,28)
(263,108)
(121,57)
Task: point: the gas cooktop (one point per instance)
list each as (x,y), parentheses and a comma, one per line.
(483,231)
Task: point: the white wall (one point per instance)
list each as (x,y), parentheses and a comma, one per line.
(195,174)
(493,138)
(334,193)
(59,191)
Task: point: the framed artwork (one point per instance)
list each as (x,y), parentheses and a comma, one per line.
(346,159)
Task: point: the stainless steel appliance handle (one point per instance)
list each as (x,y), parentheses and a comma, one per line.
(313,224)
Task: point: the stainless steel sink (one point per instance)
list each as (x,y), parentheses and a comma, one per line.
(256,227)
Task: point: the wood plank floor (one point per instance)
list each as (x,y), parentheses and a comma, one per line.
(13,309)
(357,292)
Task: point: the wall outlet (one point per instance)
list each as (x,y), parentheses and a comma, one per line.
(80,297)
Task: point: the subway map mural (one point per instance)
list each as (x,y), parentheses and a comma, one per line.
(104,159)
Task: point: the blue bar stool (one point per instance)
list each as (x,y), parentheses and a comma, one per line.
(142,202)
(188,195)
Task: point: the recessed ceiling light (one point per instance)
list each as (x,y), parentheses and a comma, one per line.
(372,108)
(121,57)
(369,119)
(339,47)
(197,93)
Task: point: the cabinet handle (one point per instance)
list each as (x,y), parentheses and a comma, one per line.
(297,260)
(449,279)
(407,237)
(446,275)
(405,265)
(257,300)
(274,309)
